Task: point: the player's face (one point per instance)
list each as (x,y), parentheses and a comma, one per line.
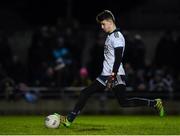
(106,25)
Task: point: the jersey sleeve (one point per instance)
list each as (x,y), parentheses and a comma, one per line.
(117,40)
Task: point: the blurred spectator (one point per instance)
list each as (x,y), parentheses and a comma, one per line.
(169,81)
(130,74)
(5,50)
(83,78)
(135,50)
(37,55)
(3,73)
(73,38)
(129,49)
(177,83)
(138,52)
(156,83)
(176,55)
(62,62)
(48,78)
(28,94)
(7,85)
(97,56)
(160,82)
(140,81)
(164,50)
(16,70)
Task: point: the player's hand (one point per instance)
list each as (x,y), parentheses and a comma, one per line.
(110,82)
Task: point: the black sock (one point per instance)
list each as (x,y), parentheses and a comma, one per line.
(137,102)
(71,116)
(151,103)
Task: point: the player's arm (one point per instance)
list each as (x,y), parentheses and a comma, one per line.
(118,58)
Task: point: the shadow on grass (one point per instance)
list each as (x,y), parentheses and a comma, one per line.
(90,127)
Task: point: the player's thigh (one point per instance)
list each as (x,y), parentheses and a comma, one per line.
(96,86)
(120,91)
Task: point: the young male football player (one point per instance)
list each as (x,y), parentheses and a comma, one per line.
(112,77)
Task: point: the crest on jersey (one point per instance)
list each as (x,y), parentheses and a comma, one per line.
(116,35)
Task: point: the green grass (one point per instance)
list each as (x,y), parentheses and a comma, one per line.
(89,125)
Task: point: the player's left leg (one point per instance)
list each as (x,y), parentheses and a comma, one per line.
(124,101)
(82,100)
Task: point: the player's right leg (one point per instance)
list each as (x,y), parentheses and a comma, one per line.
(124,101)
(64,120)
(84,95)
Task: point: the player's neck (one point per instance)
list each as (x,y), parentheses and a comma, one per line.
(112,29)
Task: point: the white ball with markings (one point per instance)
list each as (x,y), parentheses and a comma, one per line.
(52,121)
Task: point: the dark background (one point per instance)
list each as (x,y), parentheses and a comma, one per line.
(131,13)
(40,12)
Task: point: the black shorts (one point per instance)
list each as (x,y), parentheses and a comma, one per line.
(120,79)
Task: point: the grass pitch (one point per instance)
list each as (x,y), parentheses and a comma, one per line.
(90,125)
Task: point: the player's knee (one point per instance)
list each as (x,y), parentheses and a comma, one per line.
(85,91)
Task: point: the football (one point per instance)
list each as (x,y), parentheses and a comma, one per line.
(52,121)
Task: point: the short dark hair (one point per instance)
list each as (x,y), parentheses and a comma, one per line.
(104,15)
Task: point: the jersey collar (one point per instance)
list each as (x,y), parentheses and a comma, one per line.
(117,29)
